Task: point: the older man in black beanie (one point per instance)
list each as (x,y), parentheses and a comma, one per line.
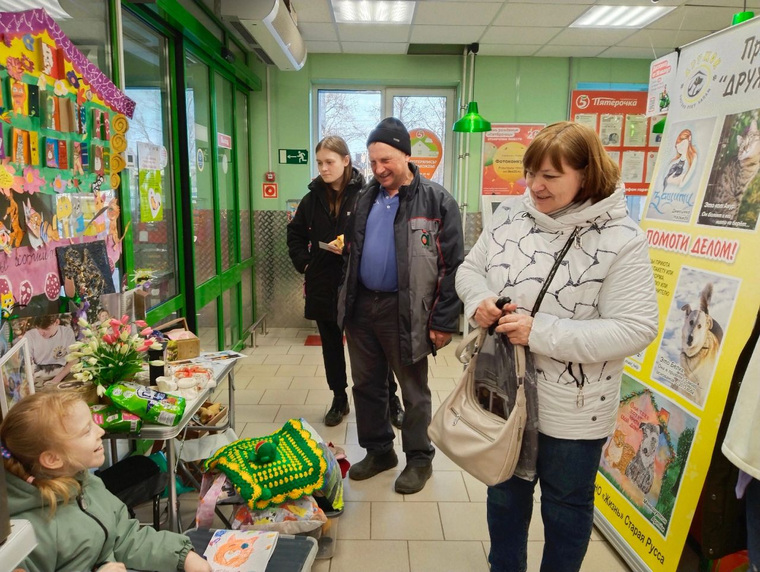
(398,302)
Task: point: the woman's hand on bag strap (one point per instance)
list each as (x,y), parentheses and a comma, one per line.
(516,327)
(487,312)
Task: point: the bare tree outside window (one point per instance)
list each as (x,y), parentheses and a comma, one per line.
(350,114)
(424,112)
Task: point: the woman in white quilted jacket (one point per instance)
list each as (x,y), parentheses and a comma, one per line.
(599,308)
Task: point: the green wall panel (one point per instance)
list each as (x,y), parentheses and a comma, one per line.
(507,89)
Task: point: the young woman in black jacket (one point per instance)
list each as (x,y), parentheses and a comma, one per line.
(322,216)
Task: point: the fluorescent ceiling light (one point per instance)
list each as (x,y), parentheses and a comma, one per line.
(620,16)
(373,12)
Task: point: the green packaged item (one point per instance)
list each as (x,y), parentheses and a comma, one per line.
(149,405)
(115,420)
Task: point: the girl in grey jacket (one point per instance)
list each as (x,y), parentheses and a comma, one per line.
(48,441)
(599,308)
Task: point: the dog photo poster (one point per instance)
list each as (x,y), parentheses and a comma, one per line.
(645,457)
(692,337)
(676,185)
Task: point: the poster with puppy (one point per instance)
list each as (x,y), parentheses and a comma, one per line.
(700,309)
(645,456)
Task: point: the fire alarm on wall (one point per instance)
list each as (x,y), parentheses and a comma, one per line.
(269,176)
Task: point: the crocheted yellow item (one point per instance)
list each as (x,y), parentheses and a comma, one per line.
(265,471)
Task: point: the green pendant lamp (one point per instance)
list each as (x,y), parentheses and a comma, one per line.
(743,16)
(472,122)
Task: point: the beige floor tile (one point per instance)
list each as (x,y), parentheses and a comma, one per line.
(312,359)
(247,396)
(266,341)
(335,435)
(253,430)
(446,371)
(370,556)
(256,413)
(444,555)
(284,396)
(536,528)
(319,396)
(272,350)
(601,556)
(284,359)
(352,437)
(298,341)
(292,370)
(478,491)
(355,521)
(271,382)
(322,565)
(309,382)
(406,521)
(469,524)
(312,413)
(442,486)
(306,350)
(441,384)
(377,489)
(442,463)
(259,371)
(254,359)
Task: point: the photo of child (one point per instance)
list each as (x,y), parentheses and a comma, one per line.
(48,339)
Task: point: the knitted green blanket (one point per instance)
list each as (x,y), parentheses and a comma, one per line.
(272,469)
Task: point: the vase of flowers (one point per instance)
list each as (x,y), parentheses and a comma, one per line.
(109,352)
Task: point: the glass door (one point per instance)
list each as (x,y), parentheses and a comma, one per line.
(149,179)
(428,115)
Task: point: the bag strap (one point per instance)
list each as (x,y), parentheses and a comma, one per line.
(553,271)
(461,350)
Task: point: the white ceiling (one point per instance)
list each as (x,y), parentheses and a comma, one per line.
(517,28)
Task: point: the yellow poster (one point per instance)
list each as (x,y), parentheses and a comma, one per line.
(701,222)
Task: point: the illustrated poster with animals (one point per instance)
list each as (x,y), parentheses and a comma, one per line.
(700,219)
(61,152)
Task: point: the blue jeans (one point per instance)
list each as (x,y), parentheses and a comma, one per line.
(752,497)
(566,469)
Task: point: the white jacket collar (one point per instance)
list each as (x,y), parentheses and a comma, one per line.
(612,207)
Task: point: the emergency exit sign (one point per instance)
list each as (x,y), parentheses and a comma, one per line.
(294,156)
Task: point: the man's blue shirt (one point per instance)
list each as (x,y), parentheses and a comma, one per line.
(378,270)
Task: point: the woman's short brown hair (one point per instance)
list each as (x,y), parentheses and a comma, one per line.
(580,148)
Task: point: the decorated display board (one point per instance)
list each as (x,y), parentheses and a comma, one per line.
(503,149)
(61,151)
(701,222)
(619,117)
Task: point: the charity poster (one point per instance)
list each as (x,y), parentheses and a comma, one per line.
(645,457)
(662,74)
(685,159)
(620,120)
(151,195)
(733,191)
(700,220)
(427,151)
(61,142)
(503,149)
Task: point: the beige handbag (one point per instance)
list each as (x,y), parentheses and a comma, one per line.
(484,444)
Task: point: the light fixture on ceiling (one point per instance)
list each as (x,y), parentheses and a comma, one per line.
(472,121)
(375,12)
(743,16)
(620,16)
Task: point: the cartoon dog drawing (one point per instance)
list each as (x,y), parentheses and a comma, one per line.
(701,336)
(641,468)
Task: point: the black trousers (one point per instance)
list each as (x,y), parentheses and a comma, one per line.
(372,334)
(333,356)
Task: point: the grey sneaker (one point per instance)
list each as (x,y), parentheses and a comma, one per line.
(338,410)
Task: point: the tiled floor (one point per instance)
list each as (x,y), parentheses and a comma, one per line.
(440,529)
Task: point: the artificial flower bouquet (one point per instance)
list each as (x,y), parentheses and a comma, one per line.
(110,353)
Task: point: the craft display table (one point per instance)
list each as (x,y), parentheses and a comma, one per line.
(167,434)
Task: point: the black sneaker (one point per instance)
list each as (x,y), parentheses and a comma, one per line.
(337,411)
(413,478)
(396,412)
